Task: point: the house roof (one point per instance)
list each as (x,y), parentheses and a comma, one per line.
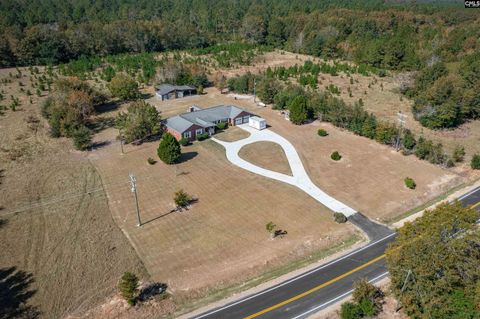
(163,89)
(203,117)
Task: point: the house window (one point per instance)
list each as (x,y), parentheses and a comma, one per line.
(187,134)
(199,131)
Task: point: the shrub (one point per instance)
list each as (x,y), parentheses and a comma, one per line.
(339,218)
(169,149)
(336,156)
(322,132)
(458,153)
(182,199)
(475,164)
(151,161)
(82,137)
(298,110)
(222,125)
(410,183)
(350,310)
(184,141)
(203,136)
(271,227)
(128,286)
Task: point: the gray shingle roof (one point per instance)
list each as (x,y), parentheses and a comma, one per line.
(163,89)
(203,117)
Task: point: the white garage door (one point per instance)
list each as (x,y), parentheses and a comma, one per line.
(245,119)
(238,121)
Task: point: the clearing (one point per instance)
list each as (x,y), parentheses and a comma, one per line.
(50,227)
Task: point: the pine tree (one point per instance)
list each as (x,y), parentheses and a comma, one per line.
(169,150)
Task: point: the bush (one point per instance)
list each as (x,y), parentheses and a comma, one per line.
(203,136)
(184,141)
(151,161)
(339,218)
(336,156)
(298,110)
(222,125)
(410,183)
(169,149)
(182,199)
(350,310)
(322,132)
(475,164)
(458,153)
(82,137)
(128,286)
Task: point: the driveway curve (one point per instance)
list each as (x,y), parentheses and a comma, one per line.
(300,177)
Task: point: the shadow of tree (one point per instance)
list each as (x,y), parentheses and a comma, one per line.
(14,293)
(187,156)
(100,124)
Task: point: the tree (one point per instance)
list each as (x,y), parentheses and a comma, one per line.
(182,199)
(169,150)
(128,287)
(336,156)
(82,137)
(433,262)
(408,140)
(124,87)
(141,121)
(475,163)
(298,110)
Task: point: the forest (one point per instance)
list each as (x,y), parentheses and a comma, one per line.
(439,40)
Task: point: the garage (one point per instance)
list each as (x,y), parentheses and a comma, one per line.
(238,121)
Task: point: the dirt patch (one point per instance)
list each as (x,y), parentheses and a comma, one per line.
(268,155)
(221,239)
(52,228)
(232,134)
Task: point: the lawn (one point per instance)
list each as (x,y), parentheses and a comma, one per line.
(268,155)
(222,239)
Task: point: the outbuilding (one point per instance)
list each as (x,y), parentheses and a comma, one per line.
(257,122)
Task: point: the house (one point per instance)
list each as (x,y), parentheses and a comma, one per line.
(257,122)
(168,91)
(199,121)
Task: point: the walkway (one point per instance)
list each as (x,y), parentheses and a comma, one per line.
(300,177)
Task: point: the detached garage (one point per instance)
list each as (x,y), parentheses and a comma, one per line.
(257,122)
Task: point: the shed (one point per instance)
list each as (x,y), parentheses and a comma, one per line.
(257,122)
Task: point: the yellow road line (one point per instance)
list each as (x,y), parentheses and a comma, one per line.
(474,205)
(303,294)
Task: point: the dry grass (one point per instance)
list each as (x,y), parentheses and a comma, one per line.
(268,155)
(232,134)
(369,177)
(72,247)
(222,239)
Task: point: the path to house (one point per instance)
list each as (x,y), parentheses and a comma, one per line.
(300,177)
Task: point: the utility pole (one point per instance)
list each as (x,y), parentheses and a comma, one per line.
(133,183)
(254,91)
(121,140)
(401,118)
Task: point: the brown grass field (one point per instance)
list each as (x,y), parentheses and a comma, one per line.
(268,155)
(65,238)
(221,239)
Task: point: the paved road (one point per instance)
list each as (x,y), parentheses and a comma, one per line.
(300,177)
(314,290)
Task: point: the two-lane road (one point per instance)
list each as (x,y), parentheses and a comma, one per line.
(314,290)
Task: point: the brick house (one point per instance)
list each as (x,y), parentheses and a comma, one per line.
(199,121)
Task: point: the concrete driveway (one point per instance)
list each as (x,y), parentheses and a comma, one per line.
(300,177)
